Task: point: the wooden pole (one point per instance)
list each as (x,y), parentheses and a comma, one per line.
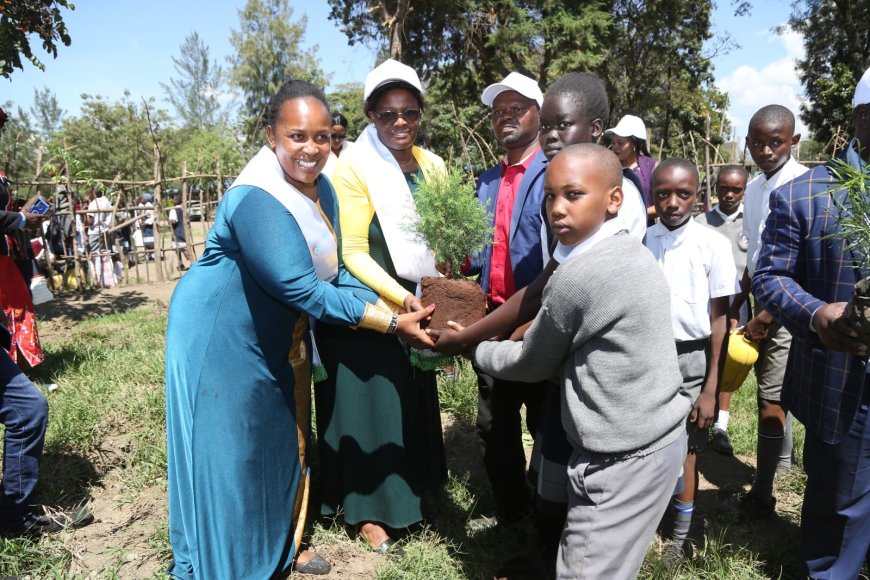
(707,164)
(185,217)
(220,181)
(77,267)
(158,212)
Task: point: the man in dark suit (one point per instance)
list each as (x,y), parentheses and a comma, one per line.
(804,277)
(512,190)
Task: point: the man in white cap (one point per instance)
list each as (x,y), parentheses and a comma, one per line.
(513,192)
(805,275)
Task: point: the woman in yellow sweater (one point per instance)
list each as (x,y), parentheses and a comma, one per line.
(378,419)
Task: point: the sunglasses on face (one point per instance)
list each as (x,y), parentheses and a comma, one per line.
(337,137)
(390,117)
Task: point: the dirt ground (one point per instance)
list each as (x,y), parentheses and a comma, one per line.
(121,541)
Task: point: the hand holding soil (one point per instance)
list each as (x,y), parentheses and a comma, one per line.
(835,332)
(449,340)
(409,328)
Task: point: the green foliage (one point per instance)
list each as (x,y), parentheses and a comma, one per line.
(201,148)
(114,138)
(46,112)
(18,145)
(656,68)
(194,92)
(853,209)
(836,37)
(267,54)
(21,18)
(347,99)
(452,221)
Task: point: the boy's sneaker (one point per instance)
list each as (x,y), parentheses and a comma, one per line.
(675,552)
(720,442)
(50,521)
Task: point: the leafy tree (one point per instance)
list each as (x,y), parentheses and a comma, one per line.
(836,36)
(20,18)
(202,148)
(46,112)
(18,143)
(656,68)
(194,93)
(114,139)
(267,54)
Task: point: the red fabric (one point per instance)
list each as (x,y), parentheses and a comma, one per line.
(501,274)
(18,305)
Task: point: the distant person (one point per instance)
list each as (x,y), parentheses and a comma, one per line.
(699,267)
(804,276)
(179,238)
(770,140)
(628,141)
(727,218)
(145,211)
(338,142)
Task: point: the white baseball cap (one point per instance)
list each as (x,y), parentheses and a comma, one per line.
(390,71)
(630,126)
(522,84)
(862,90)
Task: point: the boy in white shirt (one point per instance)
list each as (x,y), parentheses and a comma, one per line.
(699,267)
(770,139)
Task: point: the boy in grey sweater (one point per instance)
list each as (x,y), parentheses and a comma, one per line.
(604,328)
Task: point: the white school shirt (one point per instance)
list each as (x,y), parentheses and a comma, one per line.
(756,206)
(698,265)
(102,220)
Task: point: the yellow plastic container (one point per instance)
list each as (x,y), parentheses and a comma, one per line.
(742,354)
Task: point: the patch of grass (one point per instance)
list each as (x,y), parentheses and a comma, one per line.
(39,559)
(458,393)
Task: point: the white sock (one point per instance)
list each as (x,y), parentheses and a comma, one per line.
(722,421)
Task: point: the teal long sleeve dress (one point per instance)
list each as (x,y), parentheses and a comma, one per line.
(238,383)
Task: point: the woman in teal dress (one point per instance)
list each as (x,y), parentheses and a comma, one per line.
(238,370)
(379,426)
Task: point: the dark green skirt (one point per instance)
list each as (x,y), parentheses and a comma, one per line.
(379,436)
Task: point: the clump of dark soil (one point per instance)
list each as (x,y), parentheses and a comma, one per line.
(457,299)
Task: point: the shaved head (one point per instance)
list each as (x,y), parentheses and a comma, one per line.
(603,159)
(773,115)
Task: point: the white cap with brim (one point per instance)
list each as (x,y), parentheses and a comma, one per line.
(522,84)
(630,126)
(862,90)
(390,71)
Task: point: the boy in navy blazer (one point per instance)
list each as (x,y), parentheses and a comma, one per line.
(804,277)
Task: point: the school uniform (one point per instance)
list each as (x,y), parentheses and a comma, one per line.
(730,226)
(773,350)
(698,265)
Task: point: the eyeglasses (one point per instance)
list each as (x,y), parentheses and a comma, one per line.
(338,137)
(390,117)
(515,112)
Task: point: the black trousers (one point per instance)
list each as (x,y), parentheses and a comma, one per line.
(500,435)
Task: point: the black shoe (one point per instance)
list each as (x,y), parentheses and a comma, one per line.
(720,442)
(675,552)
(749,507)
(316,566)
(51,521)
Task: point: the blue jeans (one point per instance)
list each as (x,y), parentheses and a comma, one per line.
(24,412)
(835,521)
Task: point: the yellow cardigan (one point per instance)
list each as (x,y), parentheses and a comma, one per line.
(356,211)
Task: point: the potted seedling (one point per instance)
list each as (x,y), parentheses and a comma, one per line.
(454,225)
(853,219)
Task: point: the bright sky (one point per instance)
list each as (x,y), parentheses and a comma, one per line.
(129,44)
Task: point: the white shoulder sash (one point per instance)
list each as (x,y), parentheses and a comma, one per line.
(394,206)
(264,171)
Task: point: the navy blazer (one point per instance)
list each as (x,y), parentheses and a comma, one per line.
(527,260)
(800,269)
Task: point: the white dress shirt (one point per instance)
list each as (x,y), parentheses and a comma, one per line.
(756,206)
(698,265)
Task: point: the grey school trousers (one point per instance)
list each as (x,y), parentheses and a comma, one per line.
(614,506)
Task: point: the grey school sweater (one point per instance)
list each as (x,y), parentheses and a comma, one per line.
(604,329)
